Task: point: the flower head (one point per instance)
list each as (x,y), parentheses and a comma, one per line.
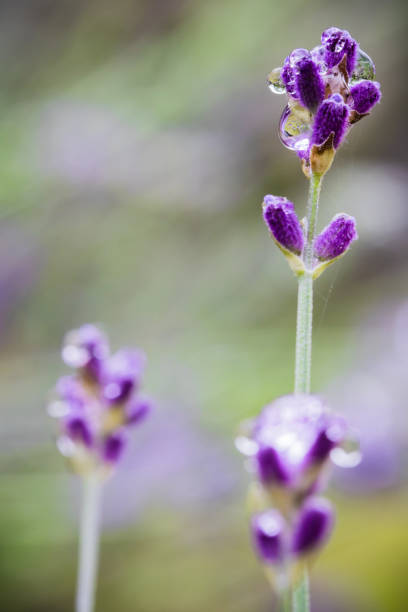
(329,88)
(99,402)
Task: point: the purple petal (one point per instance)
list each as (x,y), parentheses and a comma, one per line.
(267,534)
(336,238)
(113,447)
(365,96)
(308,83)
(85,348)
(282,221)
(314,525)
(336,43)
(331,118)
(122,374)
(271,469)
(78,429)
(138,410)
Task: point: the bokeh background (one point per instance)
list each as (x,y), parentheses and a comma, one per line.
(137,140)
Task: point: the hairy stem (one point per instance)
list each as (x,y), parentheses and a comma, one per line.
(303,363)
(88,543)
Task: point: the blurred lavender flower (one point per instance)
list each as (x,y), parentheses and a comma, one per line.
(97,404)
(329,89)
(289,447)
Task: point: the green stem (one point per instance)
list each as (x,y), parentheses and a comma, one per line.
(303,363)
(88,543)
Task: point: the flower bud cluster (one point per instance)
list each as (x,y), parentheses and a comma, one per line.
(98,403)
(290,446)
(329,89)
(289,235)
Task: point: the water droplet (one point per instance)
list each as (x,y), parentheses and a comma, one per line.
(348,454)
(364,69)
(275,83)
(297,55)
(246,446)
(294,129)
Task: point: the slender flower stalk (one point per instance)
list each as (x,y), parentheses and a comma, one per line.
(295,438)
(95,407)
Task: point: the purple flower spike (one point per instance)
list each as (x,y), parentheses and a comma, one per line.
(112,447)
(365,96)
(121,374)
(337,43)
(331,118)
(308,83)
(314,525)
(336,238)
(85,348)
(137,411)
(270,467)
(77,428)
(281,219)
(267,533)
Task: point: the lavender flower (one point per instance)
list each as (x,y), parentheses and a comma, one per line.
(331,120)
(337,44)
(268,536)
(99,401)
(309,83)
(292,439)
(281,219)
(365,95)
(336,238)
(329,89)
(313,527)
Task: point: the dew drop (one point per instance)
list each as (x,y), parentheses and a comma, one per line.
(294,130)
(275,83)
(297,55)
(348,454)
(364,69)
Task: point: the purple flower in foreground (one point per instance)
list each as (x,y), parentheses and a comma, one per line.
(281,219)
(309,83)
(99,402)
(331,119)
(338,43)
(314,525)
(291,441)
(268,536)
(336,238)
(365,95)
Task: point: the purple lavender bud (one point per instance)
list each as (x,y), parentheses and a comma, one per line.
(271,469)
(336,238)
(336,43)
(288,77)
(267,534)
(314,525)
(72,392)
(113,447)
(137,411)
(281,219)
(327,438)
(86,348)
(121,374)
(77,428)
(331,118)
(308,83)
(365,96)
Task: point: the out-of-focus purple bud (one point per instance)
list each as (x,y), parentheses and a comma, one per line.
(308,83)
(71,391)
(314,525)
(331,118)
(336,238)
(337,43)
(281,219)
(365,96)
(328,438)
(113,447)
(85,348)
(78,429)
(137,410)
(268,536)
(121,374)
(271,469)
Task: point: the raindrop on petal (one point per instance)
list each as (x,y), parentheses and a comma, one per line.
(348,454)
(294,130)
(364,69)
(275,83)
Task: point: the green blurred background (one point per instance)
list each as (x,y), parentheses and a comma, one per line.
(137,140)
